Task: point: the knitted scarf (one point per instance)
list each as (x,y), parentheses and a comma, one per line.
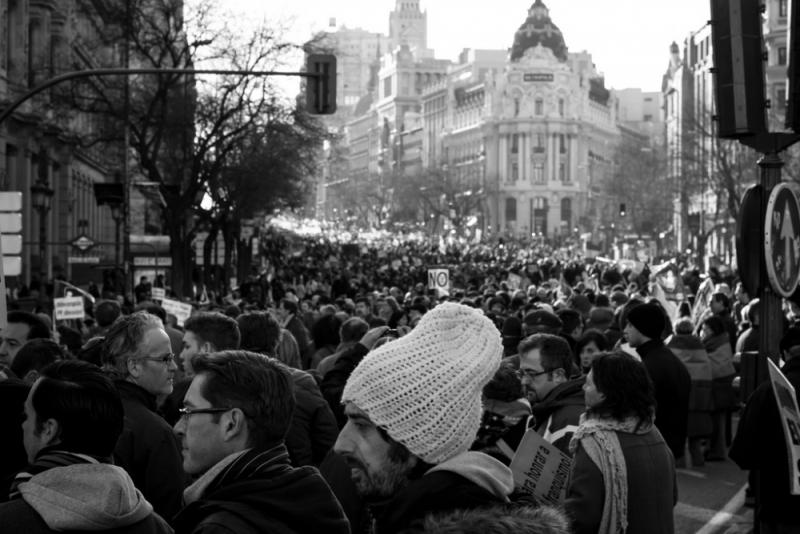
(49,458)
(599,439)
(250,463)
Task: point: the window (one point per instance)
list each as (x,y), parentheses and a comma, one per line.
(782,8)
(648,117)
(781,55)
(515,144)
(560,107)
(387,86)
(566,211)
(539,103)
(515,172)
(562,172)
(562,143)
(538,173)
(780,96)
(516,107)
(511,210)
(539,148)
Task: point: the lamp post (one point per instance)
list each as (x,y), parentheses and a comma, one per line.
(41,198)
(117,214)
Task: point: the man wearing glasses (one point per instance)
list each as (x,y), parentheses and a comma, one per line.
(138,354)
(235,417)
(556,401)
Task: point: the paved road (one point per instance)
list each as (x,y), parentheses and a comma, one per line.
(711,500)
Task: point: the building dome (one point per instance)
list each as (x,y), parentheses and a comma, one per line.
(538,29)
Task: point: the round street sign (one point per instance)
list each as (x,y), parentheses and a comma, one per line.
(782,239)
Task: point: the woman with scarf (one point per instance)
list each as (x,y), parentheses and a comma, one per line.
(619,453)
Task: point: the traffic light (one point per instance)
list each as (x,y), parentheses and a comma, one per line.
(321,88)
(622,210)
(738,67)
(793,72)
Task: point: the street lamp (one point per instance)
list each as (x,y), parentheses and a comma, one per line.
(41,199)
(113,196)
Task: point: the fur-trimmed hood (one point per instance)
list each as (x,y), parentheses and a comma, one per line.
(504,519)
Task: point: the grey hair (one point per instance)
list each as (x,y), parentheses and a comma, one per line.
(124,340)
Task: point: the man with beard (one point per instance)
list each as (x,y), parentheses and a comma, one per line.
(413,409)
(556,401)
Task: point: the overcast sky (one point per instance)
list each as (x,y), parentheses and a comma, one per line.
(628,39)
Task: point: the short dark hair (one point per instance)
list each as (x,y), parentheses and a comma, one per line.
(715,324)
(258,385)
(722,298)
(38,329)
(158,311)
(289,305)
(106,312)
(353,329)
(260,332)
(35,355)
(591,336)
(215,328)
(627,388)
(571,318)
(790,339)
(554,351)
(85,403)
(325,331)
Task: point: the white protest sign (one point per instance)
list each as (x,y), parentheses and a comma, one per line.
(180,310)
(68,308)
(541,469)
(158,293)
(439,279)
(790,418)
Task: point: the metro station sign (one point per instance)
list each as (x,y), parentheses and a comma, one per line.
(82,243)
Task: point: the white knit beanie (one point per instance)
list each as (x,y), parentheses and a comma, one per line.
(425,388)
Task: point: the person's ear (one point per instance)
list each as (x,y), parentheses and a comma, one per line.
(559,375)
(31,376)
(50,431)
(234,424)
(134,367)
(208,347)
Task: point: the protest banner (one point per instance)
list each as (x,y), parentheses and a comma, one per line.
(68,308)
(786,398)
(158,293)
(180,310)
(439,279)
(540,469)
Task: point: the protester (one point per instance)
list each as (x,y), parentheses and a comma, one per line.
(287,314)
(619,455)
(414,407)
(203,332)
(351,331)
(760,446)
(325,336)
(236,415)
(588,346)
(312,431)
(507,519)
(717,344)
(73,417)
(21,327)
(546,365)
(138,355)
(671,381)
(690,350)
(13,458)
(34,356)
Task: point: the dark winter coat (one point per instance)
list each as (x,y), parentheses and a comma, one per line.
(672,385)
(13,458)
(690,350)
(149,451)
(270,496)
(333,383)
(558,414)
(313,430)
(650,505)
(759,445)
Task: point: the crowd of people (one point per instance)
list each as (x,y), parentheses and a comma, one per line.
(337,393)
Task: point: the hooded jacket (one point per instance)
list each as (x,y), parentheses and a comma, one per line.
(467,481)
(93,497)
(558,414)
(258,492)
(503,519)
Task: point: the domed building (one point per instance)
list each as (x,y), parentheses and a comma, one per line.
(533,131)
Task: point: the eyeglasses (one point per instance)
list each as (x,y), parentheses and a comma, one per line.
(530,373)
(186,412)
(166,359)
